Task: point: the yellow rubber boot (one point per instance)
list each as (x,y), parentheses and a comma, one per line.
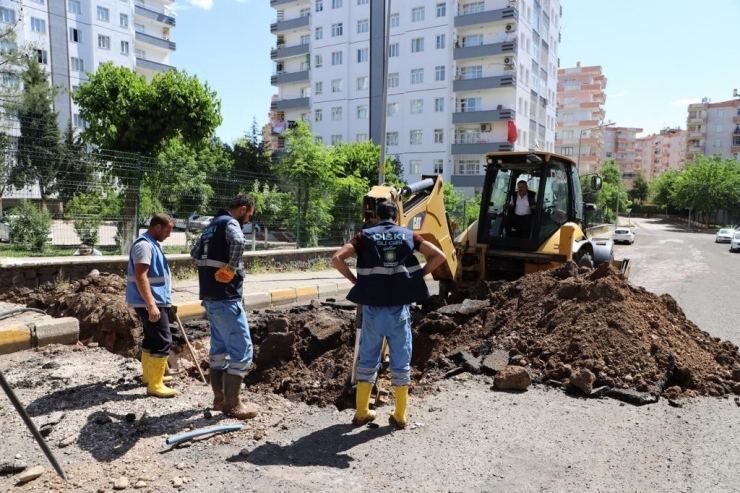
(156,386)
(363,415)
(398,417)
(145,369)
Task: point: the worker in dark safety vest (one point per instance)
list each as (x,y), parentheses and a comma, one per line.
(218,253)
(389,278)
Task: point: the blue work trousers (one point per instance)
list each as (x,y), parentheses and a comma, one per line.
(231,343)
(393,323)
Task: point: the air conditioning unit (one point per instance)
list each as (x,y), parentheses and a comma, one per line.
(485,127)
(509,60)
(511,27)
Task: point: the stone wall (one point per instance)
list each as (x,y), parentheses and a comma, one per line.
(36,271)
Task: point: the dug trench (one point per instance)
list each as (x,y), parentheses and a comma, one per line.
(588,331)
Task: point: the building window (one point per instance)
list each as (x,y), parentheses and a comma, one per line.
(473,8)
(305,39)
(393,50)
(416,137)
(439,73)
(318,115)
(392,109)
(103,14)
(336,140)
(472,40)
(566,151)
(468,167)
(124,20)
(319,33)
(318,61)
(10,80)
(417,45)
(336,58)
(77,121)
(103,42)
(720,113)
(469,104)
(393,79)
(361,138)
(319,140)
(74,6)
(362,112)
(417,76)
(439,136)
(415,166)
(363,2)
(7,15)
(439,105)
(363,83)
(336,85)
(363,26)
(391,139)
(417,14)
(336,114)
(439,165)
(78,64)
(124,47)
(336,29)
(440,44)
(718,143)
(417,106)
(42,57)
(474,72)
(718,128)
(336,4)
(7,46)
(395,20)
(38,25)
(363,54)
(318,88)
(319,6)
(441,9)
(75,35)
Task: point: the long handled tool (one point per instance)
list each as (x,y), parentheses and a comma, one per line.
(192,351)
(26,419)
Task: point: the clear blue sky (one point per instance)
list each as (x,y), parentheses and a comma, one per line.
(657,55)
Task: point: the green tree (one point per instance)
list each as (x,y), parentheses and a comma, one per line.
(251,154)
(30,227)
(76,167)
(312,169)
(38,158)
(707,185)
(662,186)
(640,191)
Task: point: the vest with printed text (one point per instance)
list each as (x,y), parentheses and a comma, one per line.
(214,254)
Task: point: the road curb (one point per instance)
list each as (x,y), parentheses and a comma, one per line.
(64,330)
(14,339)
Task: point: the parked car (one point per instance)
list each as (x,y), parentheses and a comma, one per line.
(199,223)
(623,235)
(4,232)
(735,242)
(248,227)
(179,222)
(193,217)
(724,235)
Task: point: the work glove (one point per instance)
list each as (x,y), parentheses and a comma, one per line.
(225,274)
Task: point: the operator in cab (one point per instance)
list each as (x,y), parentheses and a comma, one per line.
(520,209)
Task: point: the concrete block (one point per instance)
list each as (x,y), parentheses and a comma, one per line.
(283,296)
(306,293)
(14,339)
(328,290)
(255,301)
(192,310)
(56,331)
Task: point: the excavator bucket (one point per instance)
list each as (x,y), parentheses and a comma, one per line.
(623,266)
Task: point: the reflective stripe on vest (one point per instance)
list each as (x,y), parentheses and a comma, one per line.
(210,263)
(389,271)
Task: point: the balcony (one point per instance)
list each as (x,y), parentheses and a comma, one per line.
(696,135)
(286,78)
(736,119)
(484,83)
(485,50)
(482,116)
(275,3)
(696,149)
(154,15)
(481,146)
(290,24)
(283,51)
(697,119)
(155,41)
(734,149)
(151,65)
(289,104)
(486,17)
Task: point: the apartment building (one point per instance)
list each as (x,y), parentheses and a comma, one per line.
(663,151)
(619,143)
(581,99)
(70,37)
(714,128)
(458,73)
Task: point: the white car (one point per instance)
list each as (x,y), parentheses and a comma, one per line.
(199,223)
(724,235)
(735,242)
(179,222)
(623,235)
(5,232)
(248,227)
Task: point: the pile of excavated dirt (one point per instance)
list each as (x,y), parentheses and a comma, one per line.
(98,302)
(587,329)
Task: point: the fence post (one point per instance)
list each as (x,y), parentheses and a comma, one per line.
(138,195)
(298,215)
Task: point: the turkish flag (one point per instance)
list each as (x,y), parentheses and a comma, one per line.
(512,133)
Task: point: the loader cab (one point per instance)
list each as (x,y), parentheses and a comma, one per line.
(554,198)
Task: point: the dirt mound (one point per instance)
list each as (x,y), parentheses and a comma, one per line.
(98,302)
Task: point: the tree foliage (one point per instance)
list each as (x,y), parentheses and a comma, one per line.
(30,227)
(613,196)
(640,191)
(250,153)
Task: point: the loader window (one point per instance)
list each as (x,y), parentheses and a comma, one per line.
(555,201)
